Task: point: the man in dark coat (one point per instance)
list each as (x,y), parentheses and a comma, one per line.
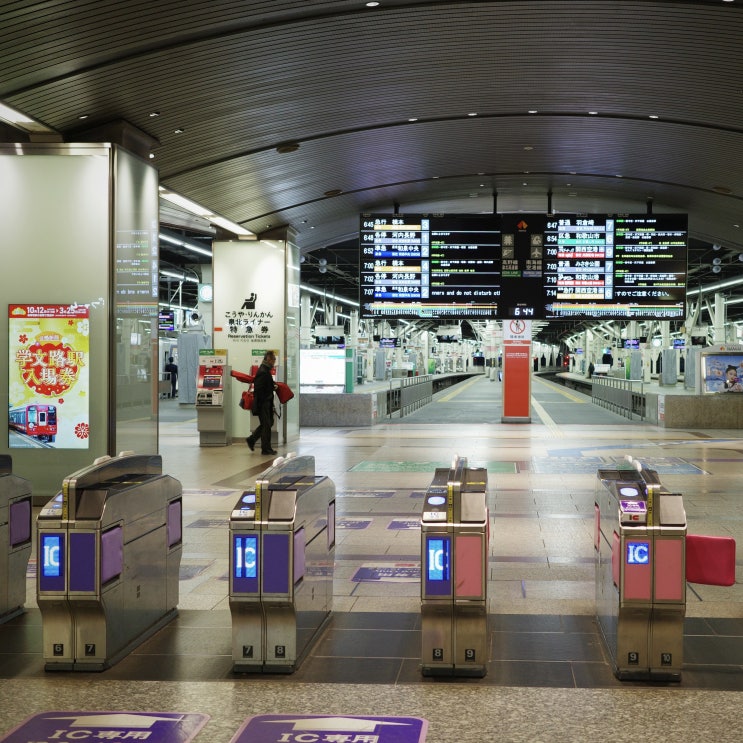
(263,387)
(172,369)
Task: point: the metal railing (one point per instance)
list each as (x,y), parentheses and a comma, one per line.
(623,396)
(409,393)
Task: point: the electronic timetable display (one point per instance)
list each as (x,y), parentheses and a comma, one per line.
(540,266)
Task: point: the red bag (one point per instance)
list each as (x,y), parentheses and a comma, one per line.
(246,400)
(283,392)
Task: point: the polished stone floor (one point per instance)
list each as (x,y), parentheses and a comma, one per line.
(549,676)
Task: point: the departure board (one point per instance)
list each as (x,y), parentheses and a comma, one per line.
(565,266)
(624,266)
(430,266)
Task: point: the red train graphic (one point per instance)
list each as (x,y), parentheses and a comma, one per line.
(39,421)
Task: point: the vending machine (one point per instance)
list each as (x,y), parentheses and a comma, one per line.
(213,411)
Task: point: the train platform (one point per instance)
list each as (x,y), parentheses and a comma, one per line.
(548,676)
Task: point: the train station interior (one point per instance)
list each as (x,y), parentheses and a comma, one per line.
(230,154)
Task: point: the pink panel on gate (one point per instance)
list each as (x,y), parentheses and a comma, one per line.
(638,578)
(669,570)
(616,558)
(710,560)
(468,566)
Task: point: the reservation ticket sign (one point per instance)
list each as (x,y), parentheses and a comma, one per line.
(48,376)
(331,729)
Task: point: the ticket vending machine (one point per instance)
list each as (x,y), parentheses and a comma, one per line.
(15,539)
(640,541)
(213,398)
(282,548)
(454,570)
(108,554)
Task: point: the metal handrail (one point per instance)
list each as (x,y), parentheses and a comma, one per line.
(619,395)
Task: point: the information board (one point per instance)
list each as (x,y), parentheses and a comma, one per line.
(430,266)
(533,266)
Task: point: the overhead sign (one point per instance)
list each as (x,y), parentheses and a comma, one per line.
(326,728)
(154,727)
(531,266)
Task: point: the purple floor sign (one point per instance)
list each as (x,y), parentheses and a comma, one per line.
(330,729)
(154,727)
(399,524)
(400,572)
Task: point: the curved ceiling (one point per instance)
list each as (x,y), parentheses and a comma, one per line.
(421,106)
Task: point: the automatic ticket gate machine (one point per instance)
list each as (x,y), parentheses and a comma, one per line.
(109,551)
(15,539)
(454,570)
(640,540)
(282,547)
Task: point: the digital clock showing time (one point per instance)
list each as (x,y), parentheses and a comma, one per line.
(522,311)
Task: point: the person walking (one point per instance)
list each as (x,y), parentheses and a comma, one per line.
(263,389)
(172,369)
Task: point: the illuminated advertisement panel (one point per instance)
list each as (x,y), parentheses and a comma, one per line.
(48,376)
(722,372)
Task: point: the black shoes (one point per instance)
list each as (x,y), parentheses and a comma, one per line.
(268,451)
(251,444)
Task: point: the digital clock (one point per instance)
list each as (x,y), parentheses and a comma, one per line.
(521,311)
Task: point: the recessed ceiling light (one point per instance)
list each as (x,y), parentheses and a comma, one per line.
(528,148)
(287,147)
(179,131)
(372,4)
(533,111)
(653,116)
(83,117)
(472,114)
(592,113)
(153,114)
(152,155)
(413,119)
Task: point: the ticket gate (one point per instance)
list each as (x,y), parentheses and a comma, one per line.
(109,551)
(282,547)
(454,570)
(15,539)
(640,541)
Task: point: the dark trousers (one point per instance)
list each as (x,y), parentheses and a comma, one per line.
(263,430)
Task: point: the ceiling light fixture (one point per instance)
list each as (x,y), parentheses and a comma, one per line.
(593,113)
(179,131)
(533,111)
(472,114)
(21,121)
(287,147)
(183,244)
(200,211)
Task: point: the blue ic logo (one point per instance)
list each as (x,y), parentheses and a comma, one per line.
(246,557)
(638,553)
(51,552)
(438,559)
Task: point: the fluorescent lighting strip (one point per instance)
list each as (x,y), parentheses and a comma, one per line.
(180,277)
(312,290)
(184,244)
(204,213)
(715,287)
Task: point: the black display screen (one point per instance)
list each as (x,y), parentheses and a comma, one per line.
(532,266)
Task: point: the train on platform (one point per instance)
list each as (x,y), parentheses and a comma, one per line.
(35,420)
